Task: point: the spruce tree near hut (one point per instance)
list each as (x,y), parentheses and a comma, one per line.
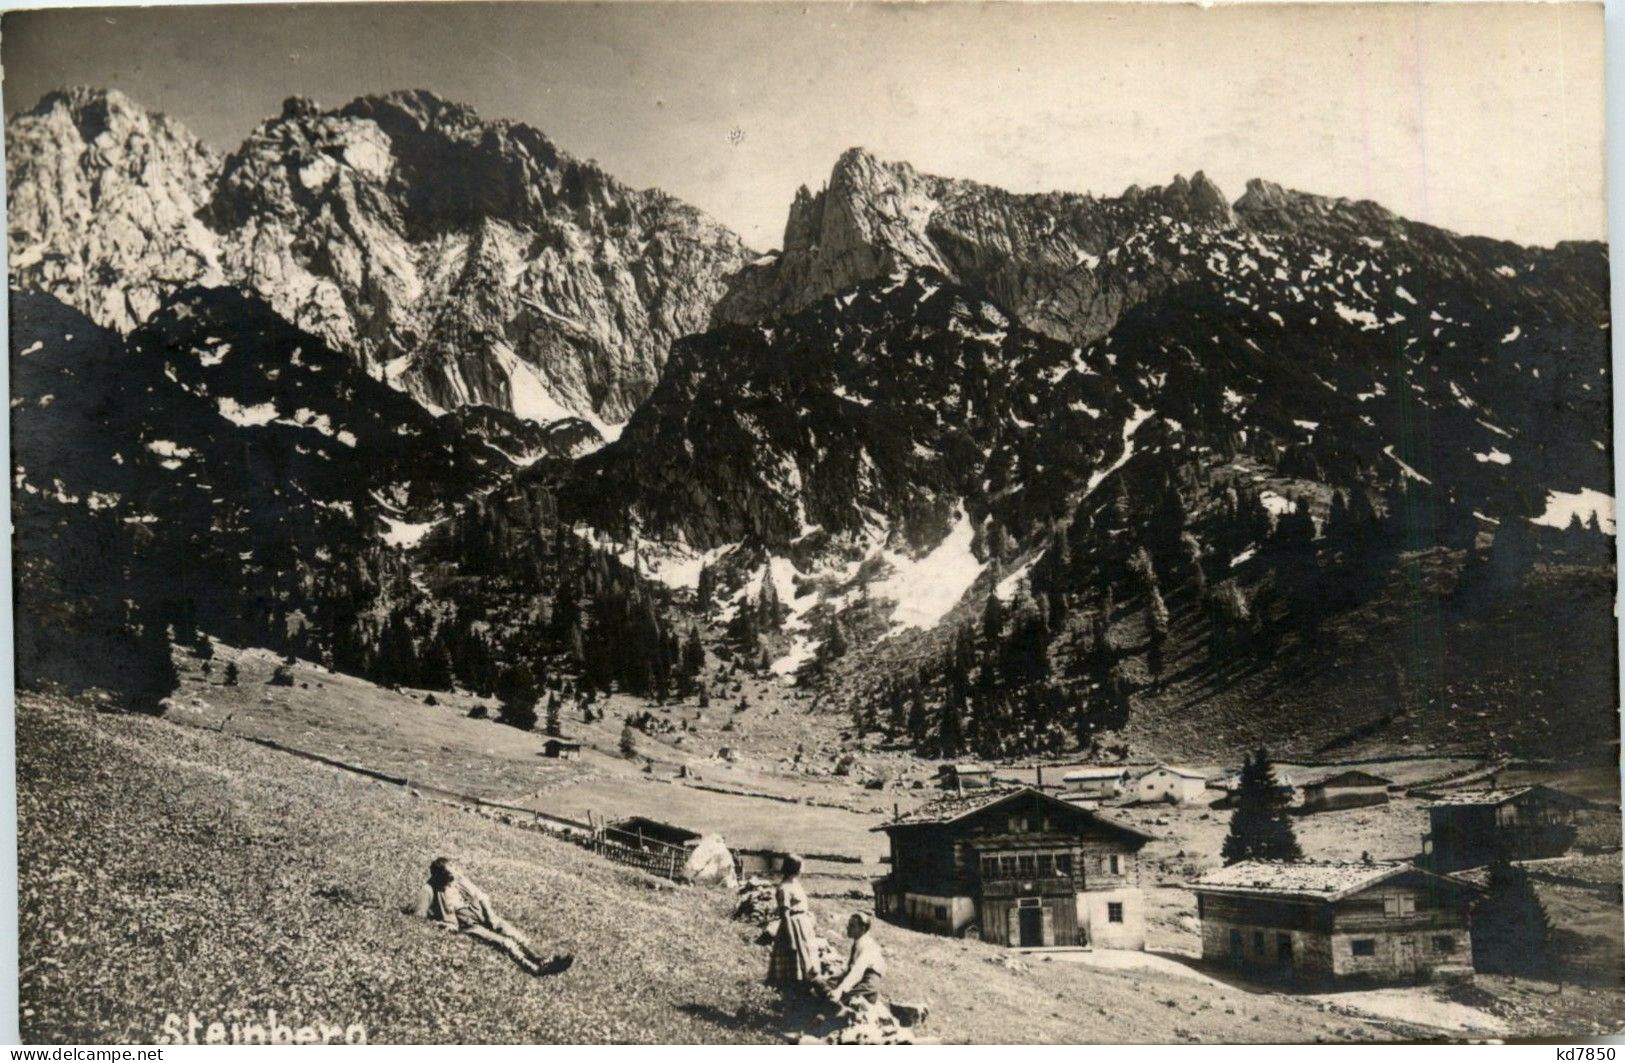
(1260,828)
(517,693)
(1510,930)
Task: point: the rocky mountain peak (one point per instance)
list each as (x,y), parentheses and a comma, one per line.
(1267,206)
(463,260)
(103,198)
(1046,257)
(1206,200)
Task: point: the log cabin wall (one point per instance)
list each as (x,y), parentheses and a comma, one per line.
(1394,932)
(1398,932)
(925,859)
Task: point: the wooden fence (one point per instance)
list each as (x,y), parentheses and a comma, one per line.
(612,843)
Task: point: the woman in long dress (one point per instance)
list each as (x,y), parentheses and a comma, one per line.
(794,959)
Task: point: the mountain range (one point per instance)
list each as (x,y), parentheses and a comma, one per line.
(467,262)
(1031,471)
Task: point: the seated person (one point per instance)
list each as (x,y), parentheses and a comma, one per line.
(451,900)
(865,965)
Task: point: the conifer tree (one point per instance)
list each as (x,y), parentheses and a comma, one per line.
(917,720)
(1260,828)
(951,728)
(154,676)
(706,588)
(1511,933)
(992,619)
(516,692)
(1156,618)
(1193,560)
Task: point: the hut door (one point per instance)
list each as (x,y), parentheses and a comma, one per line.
(1032,927)
(1405,955)
(1030,921)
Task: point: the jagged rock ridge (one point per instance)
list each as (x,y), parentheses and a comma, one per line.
(466,261)
(1066,263)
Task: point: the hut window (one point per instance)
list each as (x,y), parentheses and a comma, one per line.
(990,867)
(1114,912)
(1007,866)
(1444,943)
(942,914)
(1028,865)
(1400,905)
(1258,942)
(1365,946)
(1063,863)
(1046,865)
(1117,864)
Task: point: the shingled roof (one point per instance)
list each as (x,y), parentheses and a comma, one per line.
(1352,777)
(1171,769)
(950,807)
(1463,798)
(1325,880)
(954,807)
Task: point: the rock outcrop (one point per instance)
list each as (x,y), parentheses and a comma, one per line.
(102,205)
(465,261)
(1063,262)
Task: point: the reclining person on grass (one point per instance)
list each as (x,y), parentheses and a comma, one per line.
(450,900)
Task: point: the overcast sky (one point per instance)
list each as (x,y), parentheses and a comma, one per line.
(1484,119)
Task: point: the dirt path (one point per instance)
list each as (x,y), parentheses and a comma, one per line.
(1126,960)
(1421,1006)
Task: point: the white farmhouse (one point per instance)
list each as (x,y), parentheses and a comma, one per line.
(1167,782)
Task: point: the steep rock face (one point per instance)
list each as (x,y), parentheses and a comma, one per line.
(871,416)
(472,261)
(1067,264)
(102,205)
(465,261)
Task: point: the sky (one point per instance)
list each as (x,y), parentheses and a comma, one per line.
(1485,119)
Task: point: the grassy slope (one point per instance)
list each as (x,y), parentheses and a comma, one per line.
(165,869)
(169,869)
(356,721)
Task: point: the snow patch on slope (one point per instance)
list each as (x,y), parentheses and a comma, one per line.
(1586,503)
(927,588)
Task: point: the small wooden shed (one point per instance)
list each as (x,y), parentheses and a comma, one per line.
(1470,828)
(1097,781)
(964,776)
(1346,789)
(561,749)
